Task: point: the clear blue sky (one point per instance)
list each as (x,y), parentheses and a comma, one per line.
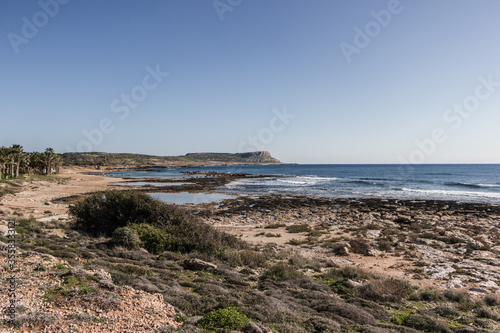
(228,77)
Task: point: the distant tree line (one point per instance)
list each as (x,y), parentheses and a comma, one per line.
(15,161)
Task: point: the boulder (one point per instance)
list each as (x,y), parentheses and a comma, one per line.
(475,245)
(193,320)
(198,265)
(341,248)
(454,284)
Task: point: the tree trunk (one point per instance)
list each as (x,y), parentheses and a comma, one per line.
(16,170)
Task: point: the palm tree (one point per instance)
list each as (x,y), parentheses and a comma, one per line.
(14,160)
(8,162)
(36,163)
(57,163)
(49,157)
(17,158)
(3,161)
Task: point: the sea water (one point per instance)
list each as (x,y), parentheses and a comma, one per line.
(457,182)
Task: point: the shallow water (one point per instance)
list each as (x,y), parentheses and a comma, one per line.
(184,198)
(149,184)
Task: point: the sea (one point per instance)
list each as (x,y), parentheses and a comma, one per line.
(456,182)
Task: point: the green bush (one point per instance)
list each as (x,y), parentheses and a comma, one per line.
(226,319)
(155,240)
(29,225)
(126,237)
(282,272)
(427,324)
(103,213)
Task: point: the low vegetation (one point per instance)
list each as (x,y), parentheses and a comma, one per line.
(159,226)
(151,246)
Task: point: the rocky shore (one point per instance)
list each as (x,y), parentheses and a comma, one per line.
(438,243)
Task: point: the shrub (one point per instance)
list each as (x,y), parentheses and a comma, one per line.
(462,298)
(385,290)
(103,213)
(429,295)
(228,319)
(126,237)
(491,300)
(426,323)
(346,310)
(246,257)
(485,312)
(282,272)
(321,324)
(29,225)
(36,319)
(296,228)
(349,272)
(296,242)
(384,245)
(275,226)
(359,246)
(153,239)
(400,317)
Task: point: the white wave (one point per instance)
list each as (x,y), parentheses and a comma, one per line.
(306,180)
(455,193)
(489,185)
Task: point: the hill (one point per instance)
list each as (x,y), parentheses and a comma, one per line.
(139,160)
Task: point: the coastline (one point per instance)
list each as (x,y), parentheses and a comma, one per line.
(436,246)
(438,232)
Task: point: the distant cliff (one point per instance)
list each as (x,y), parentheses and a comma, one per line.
(252,157)
(138,160)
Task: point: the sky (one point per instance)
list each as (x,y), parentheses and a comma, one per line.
(344,81)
